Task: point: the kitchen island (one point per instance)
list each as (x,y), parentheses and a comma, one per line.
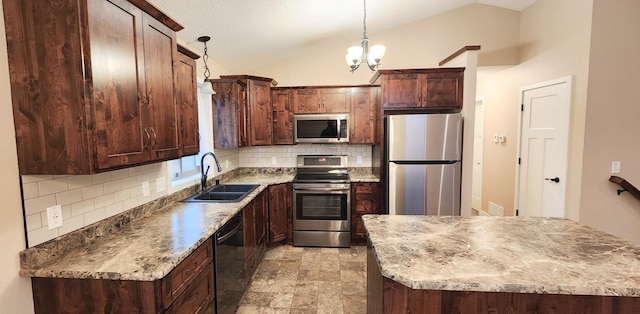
(444,264)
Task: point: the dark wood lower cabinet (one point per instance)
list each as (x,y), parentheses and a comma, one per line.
(189,288)
(279,212)
(254,216)
(364,200)
(387,296)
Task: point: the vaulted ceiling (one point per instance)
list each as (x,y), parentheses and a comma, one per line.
(248,34)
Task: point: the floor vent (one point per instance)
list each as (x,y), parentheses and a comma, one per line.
(495,209)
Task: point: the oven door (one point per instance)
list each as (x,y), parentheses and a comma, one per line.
(321,207)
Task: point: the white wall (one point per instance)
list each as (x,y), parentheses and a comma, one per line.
(422,44)
(612,119)
(554,42)
(15,291)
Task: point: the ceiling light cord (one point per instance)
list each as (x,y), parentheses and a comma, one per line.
(205,57)
(207,87)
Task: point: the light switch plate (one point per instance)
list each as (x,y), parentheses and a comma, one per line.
(615,167)
(54,216)
(359,159)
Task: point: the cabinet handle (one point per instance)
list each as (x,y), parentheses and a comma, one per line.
(155,138)
(146,146)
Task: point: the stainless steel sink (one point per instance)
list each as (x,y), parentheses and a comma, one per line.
(223,193)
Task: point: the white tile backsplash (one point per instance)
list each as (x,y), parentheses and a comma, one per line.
(86,199)
(286,154)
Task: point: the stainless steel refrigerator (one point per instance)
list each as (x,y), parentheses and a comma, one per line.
(423,162)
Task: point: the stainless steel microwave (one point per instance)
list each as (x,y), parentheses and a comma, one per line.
(321,128)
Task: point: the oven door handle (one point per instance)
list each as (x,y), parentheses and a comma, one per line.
(323,190)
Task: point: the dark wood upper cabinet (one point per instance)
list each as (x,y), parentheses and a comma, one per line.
(260,113)
(258,127)
(282,101)
(364,107)
(160,53)
(92,89)
(229,113)
(321,100)
(428,89)
(187,101)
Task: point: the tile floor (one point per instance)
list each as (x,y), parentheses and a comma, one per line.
(309,280)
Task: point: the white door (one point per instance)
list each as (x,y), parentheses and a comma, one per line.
(544,141)
(478,147)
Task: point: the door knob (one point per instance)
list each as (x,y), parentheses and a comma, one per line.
(556,179)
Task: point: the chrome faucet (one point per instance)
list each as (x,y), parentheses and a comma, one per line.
(203,173)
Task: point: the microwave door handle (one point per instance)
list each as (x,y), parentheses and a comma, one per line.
(338,129)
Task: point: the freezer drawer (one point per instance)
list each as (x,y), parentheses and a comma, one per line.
(424,189)
(424,137)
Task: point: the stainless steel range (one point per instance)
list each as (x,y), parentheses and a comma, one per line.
(321,205)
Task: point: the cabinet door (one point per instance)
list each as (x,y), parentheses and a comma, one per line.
(282,117)
(443,90)
(259,104)
(363,114)
(364,200)
(159,53)
(119,95)
(307,101)
(279,208)
(225,114)
(242,115)
(400,91)
(336,100)
(261,223)
(249,233)
(187,100)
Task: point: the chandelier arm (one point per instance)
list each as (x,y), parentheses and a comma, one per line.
(354,63)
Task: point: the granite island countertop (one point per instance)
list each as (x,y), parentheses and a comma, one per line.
(146,249)
(503,254)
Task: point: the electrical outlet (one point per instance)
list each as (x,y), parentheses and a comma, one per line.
(54,216)
(274,160)
(359,159)
(145,188)
(160,185)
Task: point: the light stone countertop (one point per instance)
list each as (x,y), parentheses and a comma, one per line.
(503,254)
(149,248)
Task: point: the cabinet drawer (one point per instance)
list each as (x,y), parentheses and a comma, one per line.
(181,276)
(362,188)
(367,206)
(198,297)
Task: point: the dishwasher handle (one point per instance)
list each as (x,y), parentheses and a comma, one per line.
(225,237)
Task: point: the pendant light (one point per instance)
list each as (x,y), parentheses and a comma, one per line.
(356,55)
(207,88)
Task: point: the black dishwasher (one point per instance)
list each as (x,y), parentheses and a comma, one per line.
(229,265)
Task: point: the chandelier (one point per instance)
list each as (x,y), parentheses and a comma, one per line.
(207,88)
(356,55)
